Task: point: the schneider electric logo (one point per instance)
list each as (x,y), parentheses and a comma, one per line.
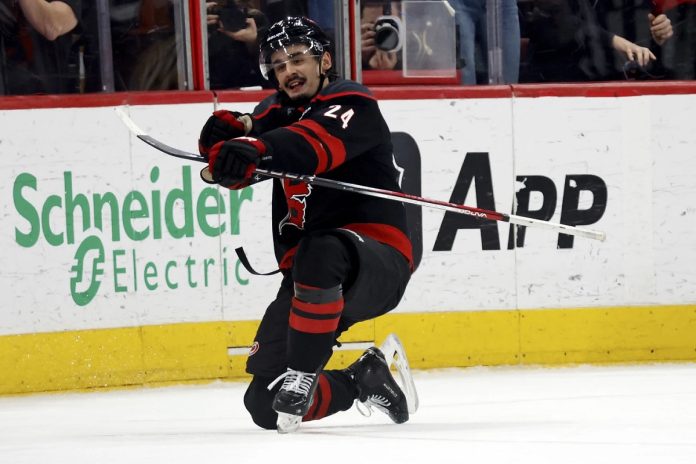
(105,229)
(79,273)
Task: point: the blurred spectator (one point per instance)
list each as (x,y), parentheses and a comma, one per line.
(679,53)
(660,27)
(36,46)
(275,10)
(233,50)
(143,36)
(384,51)
(473,41)
(324,14)
(567,44)
(638,22)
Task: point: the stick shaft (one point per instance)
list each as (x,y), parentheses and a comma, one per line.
(437,204)
(376,192)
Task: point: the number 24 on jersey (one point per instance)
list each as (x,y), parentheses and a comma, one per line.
(344,117)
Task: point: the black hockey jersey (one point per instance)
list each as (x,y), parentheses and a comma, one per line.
(340,134)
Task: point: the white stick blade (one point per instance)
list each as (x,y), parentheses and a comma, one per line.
(395,355)
(127,121)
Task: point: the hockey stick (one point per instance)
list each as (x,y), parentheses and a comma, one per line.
(376,192)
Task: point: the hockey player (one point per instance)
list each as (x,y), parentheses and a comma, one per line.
(345,257)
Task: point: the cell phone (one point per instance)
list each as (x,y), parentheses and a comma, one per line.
(233,18)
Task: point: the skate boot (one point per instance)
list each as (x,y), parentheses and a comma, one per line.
(377,387)
(293,399)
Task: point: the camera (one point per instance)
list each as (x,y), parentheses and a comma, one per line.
(232,17)
(388,35)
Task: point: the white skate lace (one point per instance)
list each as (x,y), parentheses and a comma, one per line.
(295,381)
(378,401)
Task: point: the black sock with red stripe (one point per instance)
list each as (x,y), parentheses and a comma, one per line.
(314,318)
(336,392)
(322,264)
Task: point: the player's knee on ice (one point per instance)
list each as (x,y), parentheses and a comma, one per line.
(258,400)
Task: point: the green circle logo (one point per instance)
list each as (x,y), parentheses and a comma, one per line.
(91,249)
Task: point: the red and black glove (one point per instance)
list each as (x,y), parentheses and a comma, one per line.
(232,163)
(222,125)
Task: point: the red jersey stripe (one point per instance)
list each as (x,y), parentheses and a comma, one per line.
(267,110)
(319,150)
(343,94)
(335,145)
(386,234)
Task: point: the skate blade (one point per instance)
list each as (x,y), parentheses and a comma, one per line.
(395,355)
(288,423)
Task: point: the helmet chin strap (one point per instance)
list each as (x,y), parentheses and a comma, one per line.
(322,78)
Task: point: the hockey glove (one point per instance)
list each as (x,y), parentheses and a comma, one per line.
(232,163)
(221,126)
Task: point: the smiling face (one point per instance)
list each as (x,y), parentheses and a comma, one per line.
(298,70)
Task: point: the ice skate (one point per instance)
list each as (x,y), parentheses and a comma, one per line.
(377,388)
(293,399)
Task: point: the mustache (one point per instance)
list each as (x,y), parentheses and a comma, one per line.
(293,78)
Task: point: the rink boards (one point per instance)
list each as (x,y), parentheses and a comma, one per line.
(118,263)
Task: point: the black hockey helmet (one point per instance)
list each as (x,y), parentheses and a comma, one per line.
(292,31)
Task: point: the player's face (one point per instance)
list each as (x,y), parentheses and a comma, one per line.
(297,70)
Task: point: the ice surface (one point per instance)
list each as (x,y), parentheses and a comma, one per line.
(616,414)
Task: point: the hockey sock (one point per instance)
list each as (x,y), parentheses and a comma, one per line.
(322,264)
(314,318)
(336,392)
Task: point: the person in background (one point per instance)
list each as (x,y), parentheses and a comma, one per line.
(37,51)
(568,44)
(678,55)
(636,59)
(324,13)
(276,10)
(234,31)
(344,257)
(470,16)
(144,44)
(374,57)
(660,25)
